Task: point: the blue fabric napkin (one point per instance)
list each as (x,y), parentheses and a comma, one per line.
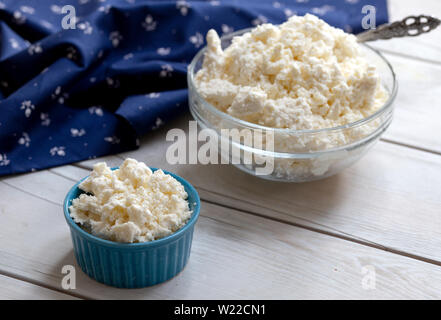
(75,94)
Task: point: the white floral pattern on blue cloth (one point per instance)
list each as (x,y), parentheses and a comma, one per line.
(71,95)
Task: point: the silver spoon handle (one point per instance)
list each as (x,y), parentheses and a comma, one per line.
(410,26)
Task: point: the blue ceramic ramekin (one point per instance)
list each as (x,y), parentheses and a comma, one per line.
(133,265)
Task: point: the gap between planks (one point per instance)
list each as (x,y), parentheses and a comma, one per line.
(43,285)
(410,146)
(406,56)
(339,235)
(386,140)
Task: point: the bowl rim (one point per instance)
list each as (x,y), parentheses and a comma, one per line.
(191,191)
(385,107)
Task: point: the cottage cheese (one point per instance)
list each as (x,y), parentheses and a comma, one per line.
(130,204)
(302,74)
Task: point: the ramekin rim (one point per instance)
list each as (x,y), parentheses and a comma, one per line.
(386,106)
(138,245)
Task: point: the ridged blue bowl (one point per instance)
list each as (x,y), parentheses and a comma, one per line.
(133,265)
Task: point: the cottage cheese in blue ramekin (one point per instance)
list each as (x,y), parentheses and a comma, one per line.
(130,204)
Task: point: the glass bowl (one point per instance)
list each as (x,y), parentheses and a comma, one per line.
(285,154)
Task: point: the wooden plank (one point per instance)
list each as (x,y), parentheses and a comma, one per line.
(234,255)
(426,47)
(14,289)
(54,192)
(389,198)
(417,62)
(417,107)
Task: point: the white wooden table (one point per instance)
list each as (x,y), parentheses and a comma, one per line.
(263,240)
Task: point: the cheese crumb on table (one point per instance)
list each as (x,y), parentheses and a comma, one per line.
(130,204)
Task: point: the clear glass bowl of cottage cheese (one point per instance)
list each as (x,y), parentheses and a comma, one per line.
(280,152)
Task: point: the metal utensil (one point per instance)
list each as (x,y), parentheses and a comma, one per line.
(410,26)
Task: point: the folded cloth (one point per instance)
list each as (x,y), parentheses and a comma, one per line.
(73,94)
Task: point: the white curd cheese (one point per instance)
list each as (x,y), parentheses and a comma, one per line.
(130,204)
(301,75)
